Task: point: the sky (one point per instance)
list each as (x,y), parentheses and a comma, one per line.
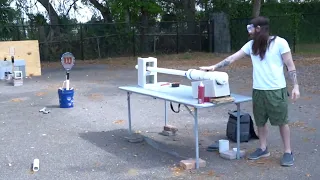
(83,14)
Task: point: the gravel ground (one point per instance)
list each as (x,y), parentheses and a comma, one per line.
(88,141)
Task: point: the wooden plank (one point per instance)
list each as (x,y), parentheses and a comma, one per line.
(220,100)
(23,50)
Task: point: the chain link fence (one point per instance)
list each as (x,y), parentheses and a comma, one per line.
(99,41)
(302,31)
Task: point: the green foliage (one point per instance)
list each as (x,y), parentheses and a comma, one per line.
(132,8)
(7,17)
(37,20)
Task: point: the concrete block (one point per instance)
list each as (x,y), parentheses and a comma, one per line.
(231,154)
(191,163)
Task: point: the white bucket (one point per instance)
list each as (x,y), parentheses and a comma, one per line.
(223,145)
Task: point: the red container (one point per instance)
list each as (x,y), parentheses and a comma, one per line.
(201,93)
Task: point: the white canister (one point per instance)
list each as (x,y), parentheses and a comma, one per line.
(223,145)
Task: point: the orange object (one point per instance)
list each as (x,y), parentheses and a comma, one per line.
(165,84)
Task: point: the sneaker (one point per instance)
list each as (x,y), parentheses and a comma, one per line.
(287,159)
(259,154)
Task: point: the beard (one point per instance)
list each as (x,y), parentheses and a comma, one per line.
(253,36)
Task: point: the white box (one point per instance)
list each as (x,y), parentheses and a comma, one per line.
(211,89)
(147,78)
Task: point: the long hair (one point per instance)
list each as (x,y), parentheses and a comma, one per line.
(261,39)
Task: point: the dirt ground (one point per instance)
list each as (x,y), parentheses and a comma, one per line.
(88,141)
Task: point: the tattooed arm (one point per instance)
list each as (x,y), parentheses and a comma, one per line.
(293,77)
(227,61)
(224,63)
(287,59)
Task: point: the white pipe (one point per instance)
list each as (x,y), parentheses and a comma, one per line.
(167,71)
(35,166)
(67,84)
(193,74)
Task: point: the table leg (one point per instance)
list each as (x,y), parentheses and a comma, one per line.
(196,136)
(238,130)
(129,112)
(165,113)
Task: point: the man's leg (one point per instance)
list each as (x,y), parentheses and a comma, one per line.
(263,134)
(278,111)
(285,135)
(287,158)
(261,118)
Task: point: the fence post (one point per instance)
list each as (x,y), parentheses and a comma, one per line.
(133,41)
(210,35)
(295,31)
(81,42)
(200,36)
(18,33)
(177,37)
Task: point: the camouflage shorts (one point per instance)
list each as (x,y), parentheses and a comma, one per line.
(270,105)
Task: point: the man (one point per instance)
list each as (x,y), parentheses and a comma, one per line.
(269,95)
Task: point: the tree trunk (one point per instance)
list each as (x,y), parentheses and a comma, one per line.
(54,19)
(256,8)
(189,8)
(104,10)
(53,15)
(143,30)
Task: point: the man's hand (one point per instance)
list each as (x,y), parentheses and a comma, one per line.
(207,68)
(295,93)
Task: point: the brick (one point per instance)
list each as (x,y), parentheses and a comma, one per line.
(170,128)
(191,163)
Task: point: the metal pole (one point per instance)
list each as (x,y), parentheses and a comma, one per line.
(67,75)
(165,113)
(238,130)
(196,135)
(129,112)
(81,42)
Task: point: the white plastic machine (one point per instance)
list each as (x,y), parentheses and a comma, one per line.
(216,83)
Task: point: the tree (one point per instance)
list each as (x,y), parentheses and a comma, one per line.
(7,16)
(256,8)
(103,7)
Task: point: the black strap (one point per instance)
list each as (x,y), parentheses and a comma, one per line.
(173,109)
(253,134)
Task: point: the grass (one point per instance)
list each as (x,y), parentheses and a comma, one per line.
(308,49)
(308,52)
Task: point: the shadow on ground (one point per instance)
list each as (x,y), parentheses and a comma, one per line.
(169,148)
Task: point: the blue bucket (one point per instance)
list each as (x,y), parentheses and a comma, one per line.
(66,98)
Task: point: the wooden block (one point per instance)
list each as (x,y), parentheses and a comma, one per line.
(191,163)
(220,100)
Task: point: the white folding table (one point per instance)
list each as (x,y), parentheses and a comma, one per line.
(183,95)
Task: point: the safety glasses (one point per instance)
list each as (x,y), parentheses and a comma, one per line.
(250,28)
